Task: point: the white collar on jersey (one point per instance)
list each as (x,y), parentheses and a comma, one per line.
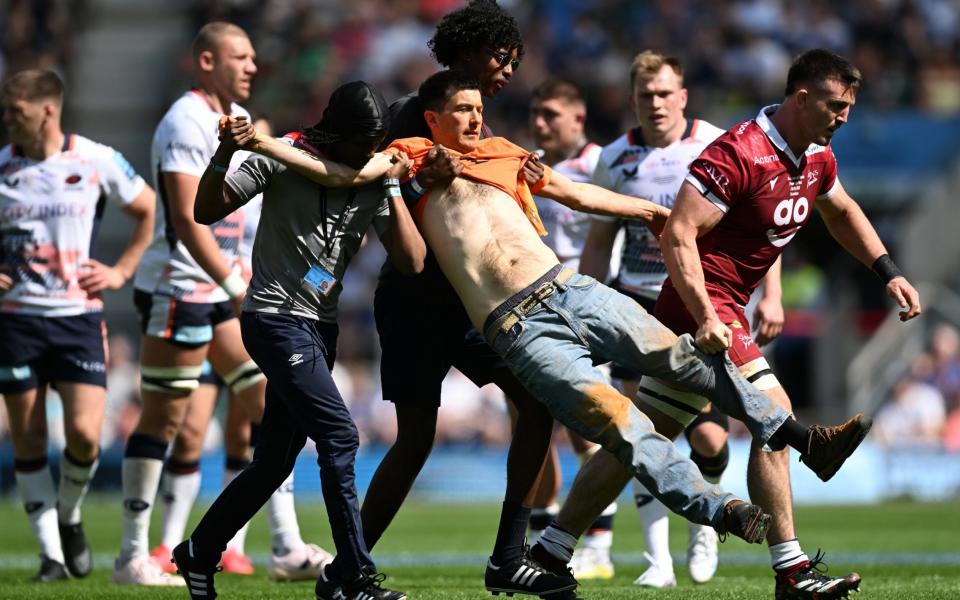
(763,120)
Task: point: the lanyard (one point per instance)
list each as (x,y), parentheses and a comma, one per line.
(351,196)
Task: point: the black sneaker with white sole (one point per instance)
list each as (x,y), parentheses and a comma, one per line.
(809,581)
(525,575)
(50,570)
(76,551)
(196,572)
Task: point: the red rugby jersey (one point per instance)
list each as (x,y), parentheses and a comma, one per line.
(766,194)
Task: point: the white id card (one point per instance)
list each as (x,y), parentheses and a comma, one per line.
(319,279)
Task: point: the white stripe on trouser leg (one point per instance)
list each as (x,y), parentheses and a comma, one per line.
(682,407)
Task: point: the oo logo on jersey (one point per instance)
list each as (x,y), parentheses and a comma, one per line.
(788,211)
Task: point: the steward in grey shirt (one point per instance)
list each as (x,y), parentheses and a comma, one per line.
(309,230)
(308,233)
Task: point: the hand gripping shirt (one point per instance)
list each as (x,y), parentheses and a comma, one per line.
(184,142)
(50,213)
(766,193)
(630,166)
(495,161)
(303,225)
(567,228)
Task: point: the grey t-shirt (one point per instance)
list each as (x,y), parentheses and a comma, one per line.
(303,225)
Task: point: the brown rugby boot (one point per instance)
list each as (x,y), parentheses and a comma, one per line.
(829,447)
(747,521)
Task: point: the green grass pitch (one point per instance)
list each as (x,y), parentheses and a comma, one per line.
(903,550)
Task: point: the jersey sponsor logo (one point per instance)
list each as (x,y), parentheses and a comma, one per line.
(766,160)
(743,127)
(20,212)
(91,366)
(782,238)
(745,339)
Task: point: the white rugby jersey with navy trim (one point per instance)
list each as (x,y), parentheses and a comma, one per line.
(567,228)
(184,142)
(50,212)
(631,167)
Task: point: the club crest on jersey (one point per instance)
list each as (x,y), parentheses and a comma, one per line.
(736,325)
(812,177)
(73,179)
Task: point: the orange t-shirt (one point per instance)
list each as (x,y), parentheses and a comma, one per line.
(495,161)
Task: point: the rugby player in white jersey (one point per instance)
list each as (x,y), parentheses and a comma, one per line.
(54,187)
(558,115)
(188,291)
(650,161)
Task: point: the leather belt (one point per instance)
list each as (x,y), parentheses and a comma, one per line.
(506,322)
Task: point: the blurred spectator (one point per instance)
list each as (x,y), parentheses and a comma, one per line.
(915,415)
(123,392)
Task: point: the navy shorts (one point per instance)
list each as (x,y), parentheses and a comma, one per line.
(619,371)
(186,324)
(421,339)
(36,350)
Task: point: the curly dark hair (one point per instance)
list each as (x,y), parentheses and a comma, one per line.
(479,24)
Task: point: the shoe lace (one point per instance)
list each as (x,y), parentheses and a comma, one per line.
(376,579)
(817,565)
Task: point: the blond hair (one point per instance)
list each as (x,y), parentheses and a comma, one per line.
(648,63)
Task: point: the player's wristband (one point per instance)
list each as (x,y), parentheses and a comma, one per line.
(391,182)
(234,285)
(886,269)
(218,168)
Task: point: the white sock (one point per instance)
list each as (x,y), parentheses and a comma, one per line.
(39,501)
(74,484)
(558,543)
(178,492)
(656,525)
(284,529)
(141,478)
(787,554)
(239,540)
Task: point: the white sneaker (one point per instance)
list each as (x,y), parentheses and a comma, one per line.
(142,570)
(299,565)
(656,576)
(591,563)
(702,553)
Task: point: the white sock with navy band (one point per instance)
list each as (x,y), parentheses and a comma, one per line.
(40,502)
(141,478)
(786,555)
(75,479)
(178,492)
(558,543)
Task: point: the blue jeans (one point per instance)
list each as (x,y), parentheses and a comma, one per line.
(553,350)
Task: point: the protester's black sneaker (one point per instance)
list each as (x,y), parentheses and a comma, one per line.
(365,587)
(196,572)
(829,447)
(525,575)
(50,570)
(807,581)
(368,588)
(328,589)
(747,521)
(76,550)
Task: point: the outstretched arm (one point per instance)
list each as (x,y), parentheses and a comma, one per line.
(590,198)
(849,226)
(321,170)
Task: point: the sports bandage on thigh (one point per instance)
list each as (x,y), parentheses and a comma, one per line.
(179,381)
(682,407)
(246,375)
(758,373)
